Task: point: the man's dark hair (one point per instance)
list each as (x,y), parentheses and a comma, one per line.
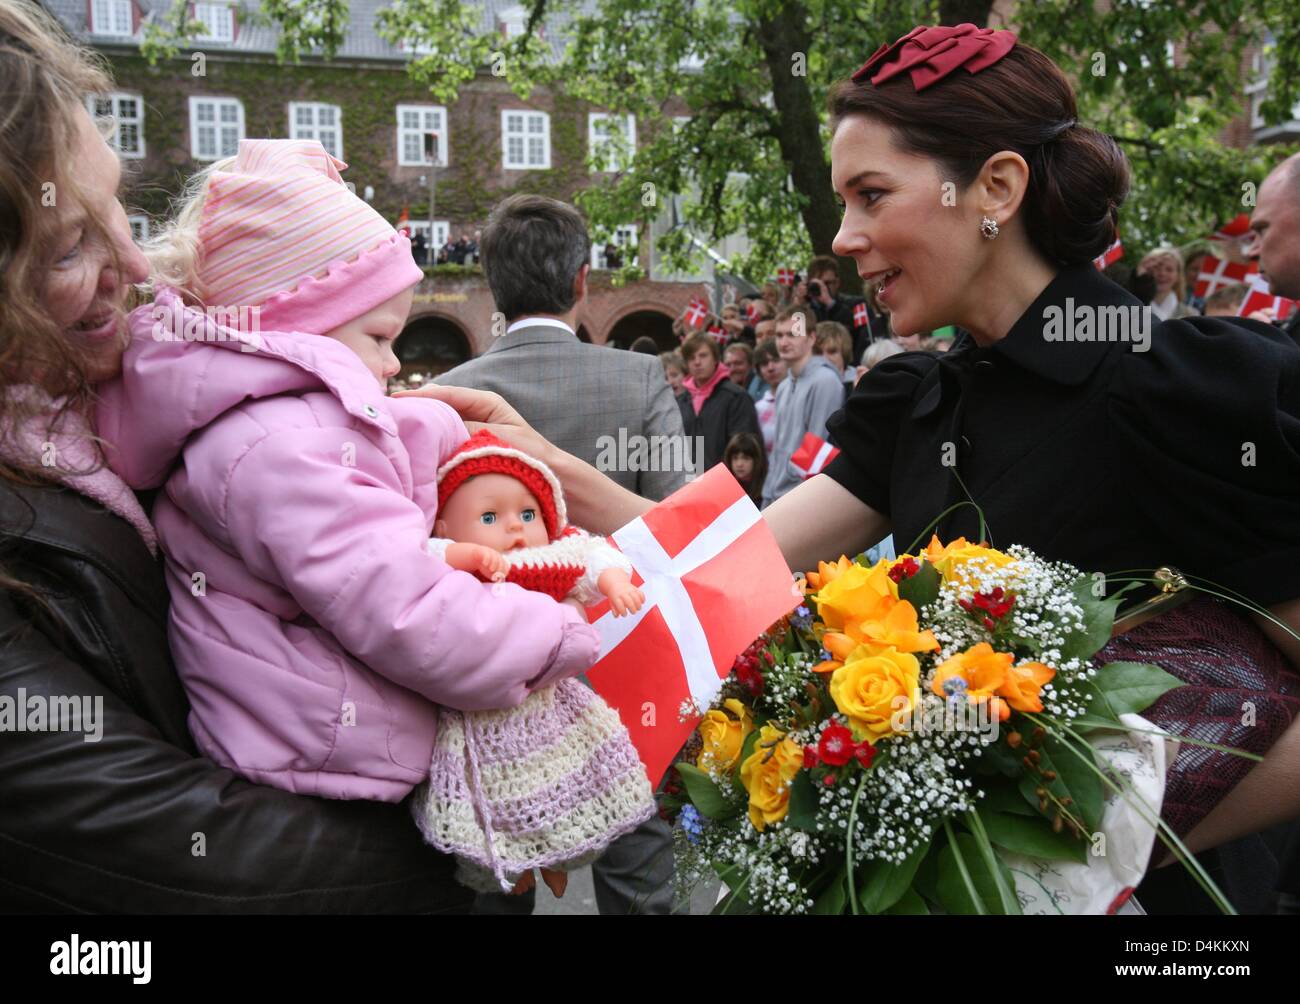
(532,250)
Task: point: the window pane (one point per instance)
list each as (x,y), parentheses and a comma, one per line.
(207,141)
(302,115)
(230,112)
(327,116)
(514,123)
(410,120)
(204,111)
(229,142)
(515,150)
(536,124)
(128,137)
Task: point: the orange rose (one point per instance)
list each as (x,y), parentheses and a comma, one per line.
(1023,685)
(983,671)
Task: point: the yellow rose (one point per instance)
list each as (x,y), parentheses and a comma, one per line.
(855,595)
(766,775)
(948,559)
(871,688)
(724,736)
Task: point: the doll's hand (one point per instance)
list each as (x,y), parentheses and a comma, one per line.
(477,559)
(626,600)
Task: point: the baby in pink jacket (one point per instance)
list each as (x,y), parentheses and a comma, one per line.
(313,629)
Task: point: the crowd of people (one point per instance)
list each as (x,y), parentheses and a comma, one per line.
(463,251)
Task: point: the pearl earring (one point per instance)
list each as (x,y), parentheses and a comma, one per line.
(988,228)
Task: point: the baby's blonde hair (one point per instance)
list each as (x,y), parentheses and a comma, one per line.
(173,251)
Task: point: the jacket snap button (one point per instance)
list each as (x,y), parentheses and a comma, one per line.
(984,366)
(371,412)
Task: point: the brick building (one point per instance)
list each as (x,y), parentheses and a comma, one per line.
(182,113)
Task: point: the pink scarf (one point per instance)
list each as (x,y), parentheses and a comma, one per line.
(66,452)
(701,394)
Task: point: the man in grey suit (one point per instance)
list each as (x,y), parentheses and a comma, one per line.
(612,408)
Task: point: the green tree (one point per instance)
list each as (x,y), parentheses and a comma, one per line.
(752,78)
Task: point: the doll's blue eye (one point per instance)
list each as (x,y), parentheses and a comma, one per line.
(529,515)
(488,518)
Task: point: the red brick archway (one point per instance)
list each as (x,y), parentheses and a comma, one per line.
(431,344)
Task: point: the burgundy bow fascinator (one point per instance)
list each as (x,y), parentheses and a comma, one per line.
(931,53)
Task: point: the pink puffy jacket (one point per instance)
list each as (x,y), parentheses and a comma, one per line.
(310,625)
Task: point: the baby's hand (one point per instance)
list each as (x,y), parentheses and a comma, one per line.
(477,559)
(626,600)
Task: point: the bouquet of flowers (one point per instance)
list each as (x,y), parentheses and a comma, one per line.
(911,729)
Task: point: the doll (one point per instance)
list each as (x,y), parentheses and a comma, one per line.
(550,783)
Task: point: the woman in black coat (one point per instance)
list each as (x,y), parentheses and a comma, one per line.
(1081,426)
(115,811)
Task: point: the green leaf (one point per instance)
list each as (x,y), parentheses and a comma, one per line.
(732,877)
(922,588)
(1001,796)
(804,803)
(1099,619)
(1032,836)
(705,795)
(1074,780)
(1000,758)
(909,905)
(834,896)
(881,884)
(953,894)
(1127,687)
(746,748)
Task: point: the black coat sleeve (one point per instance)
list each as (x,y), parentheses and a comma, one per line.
(131,823)
(743,417)
(1206,428)
(866,429)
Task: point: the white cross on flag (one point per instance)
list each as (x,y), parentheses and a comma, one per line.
(1219,272)
(813,454)
(1111,255)
(718,334)
(714,580)
(695,312)
(1259,298)
(785,276)
(861,319)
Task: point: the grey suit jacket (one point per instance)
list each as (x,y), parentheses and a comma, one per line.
(601,404)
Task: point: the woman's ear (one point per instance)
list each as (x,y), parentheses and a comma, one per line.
(1001,184)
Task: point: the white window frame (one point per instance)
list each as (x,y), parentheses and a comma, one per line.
(526,134)
(139,227)
(114,100)
(441,230)
(313,131)
(221,30)
(632,242)
(404,131)
(217,124)
(513,21)
(106,18)
(597,140)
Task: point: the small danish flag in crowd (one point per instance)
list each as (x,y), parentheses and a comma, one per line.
(1260,298)
(861,319)
(1111,255)
(813,454)
(714,580)
(1218,272)
(403,225)
(696,311)
(785,276)
(751,312)
(718,334)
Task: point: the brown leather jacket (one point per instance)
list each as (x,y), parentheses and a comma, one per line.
(137,821)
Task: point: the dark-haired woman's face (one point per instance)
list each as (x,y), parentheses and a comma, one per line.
(85,289)
(904,227)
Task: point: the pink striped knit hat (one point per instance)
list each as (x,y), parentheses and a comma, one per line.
(280,230)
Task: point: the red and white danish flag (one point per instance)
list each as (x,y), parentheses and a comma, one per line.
(751,312)
(696,311)
(1111,255)
(1218,272)
(813,454)
(714,580)
(861,319)
(1260,298)
(718,334)
(785,276)
(403,224)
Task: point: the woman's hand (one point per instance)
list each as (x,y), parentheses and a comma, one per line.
(482,409)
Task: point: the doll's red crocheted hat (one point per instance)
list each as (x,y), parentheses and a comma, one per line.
(484,453)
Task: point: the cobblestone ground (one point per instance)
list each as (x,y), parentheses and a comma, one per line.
(580,897)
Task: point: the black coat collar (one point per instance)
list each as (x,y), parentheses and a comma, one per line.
(1067,363)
